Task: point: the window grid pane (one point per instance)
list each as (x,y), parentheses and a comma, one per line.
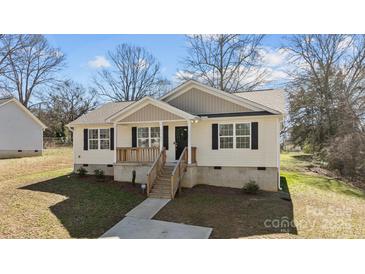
(242,129)
(226,130)
(104,133)
(104,144)
(155,132)
(243,142)
(226,142)
(93,144)
(142,142)
(143,132)
(155,142)
(93,134)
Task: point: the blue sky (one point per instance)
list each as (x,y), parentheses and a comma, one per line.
(85,54)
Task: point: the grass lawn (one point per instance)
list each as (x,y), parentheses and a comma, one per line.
(39,198)
(320,207)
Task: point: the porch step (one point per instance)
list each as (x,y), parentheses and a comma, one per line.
(160,196)
(162,186)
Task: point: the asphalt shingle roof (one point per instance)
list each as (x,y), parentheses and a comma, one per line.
(99,115)
(272,98)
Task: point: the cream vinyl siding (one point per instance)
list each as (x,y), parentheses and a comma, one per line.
(265,156)
(151,113)
(196,101)
(18,130)
(94,156)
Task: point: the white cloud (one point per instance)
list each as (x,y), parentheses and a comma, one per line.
(99,62)
(274,57)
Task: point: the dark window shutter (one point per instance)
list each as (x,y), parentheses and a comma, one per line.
(111,137)
(134,137)
(214,136)
(86,137)
(166,137)
(254,135)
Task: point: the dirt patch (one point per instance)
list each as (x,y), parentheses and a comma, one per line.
(229,212)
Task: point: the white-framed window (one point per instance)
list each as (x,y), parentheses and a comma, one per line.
(243,135)
(148,137)
(235,135)
(104,138)
(99,138)
(93,139)
(226,136)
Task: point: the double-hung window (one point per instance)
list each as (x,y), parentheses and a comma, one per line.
(93,139)
(148,137)
(226,136)
(236,135)
(243,135)
(104,138)
(99,138)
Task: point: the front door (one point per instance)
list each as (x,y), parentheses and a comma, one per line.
(181,140)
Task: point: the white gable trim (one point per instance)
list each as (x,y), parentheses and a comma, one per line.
(132,108)
(215,92)
(20,105)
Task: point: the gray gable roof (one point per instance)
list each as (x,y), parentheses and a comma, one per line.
(4,100)
(272,98)
(99,115)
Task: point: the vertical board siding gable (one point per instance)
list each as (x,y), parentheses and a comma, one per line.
(151,113)
(196,101)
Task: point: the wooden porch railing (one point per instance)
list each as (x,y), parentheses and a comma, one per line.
(137,154)
(178,172)
(193,155)
(155,170)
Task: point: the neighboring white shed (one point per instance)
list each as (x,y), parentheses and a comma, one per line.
(21,133)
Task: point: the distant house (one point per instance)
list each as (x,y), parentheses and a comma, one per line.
(21,133)
(194,134)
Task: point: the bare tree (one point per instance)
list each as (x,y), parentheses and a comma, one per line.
(229,62)
(327,93)
(65,102)
(30,67)
(135,73)
(8,44)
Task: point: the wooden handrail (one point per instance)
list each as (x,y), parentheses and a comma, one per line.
(155,169)
(178,172)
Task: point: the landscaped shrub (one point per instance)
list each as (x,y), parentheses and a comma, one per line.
(99,174)
(251,187)
(81,171)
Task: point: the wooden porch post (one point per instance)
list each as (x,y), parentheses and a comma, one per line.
(189,142)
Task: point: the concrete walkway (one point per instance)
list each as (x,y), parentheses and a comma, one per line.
(148,208)
(138,225)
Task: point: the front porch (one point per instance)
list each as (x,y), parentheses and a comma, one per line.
(145,155)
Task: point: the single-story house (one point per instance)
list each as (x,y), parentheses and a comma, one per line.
(194,134)
(21,133)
